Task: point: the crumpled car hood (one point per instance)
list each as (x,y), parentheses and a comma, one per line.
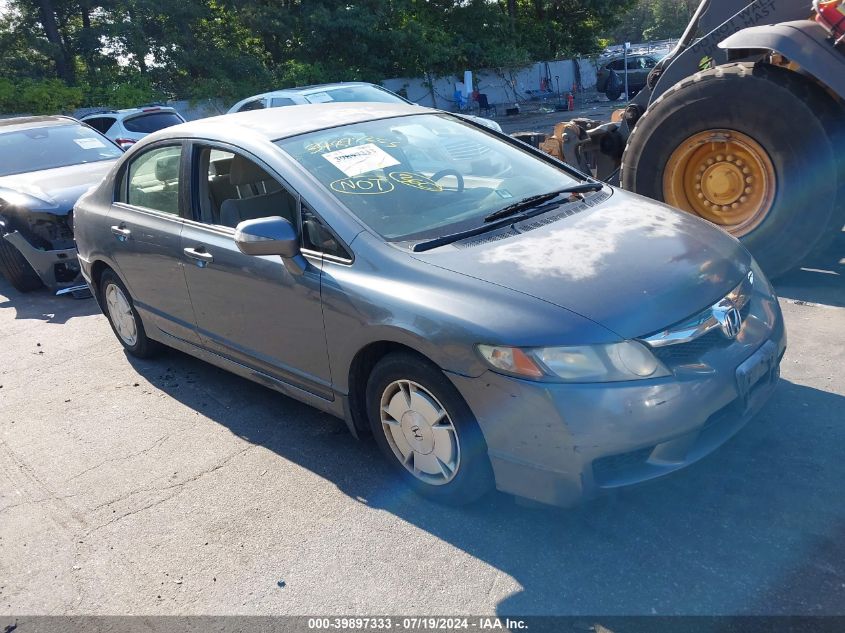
(52,190)
(630,264)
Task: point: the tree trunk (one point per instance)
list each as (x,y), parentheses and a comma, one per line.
(64,67)
(512,13)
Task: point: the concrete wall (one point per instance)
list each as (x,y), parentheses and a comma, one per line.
(501,87)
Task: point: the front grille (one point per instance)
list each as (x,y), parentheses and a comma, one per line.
(692,351)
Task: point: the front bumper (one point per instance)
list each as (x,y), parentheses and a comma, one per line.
(561,443)
(45,263)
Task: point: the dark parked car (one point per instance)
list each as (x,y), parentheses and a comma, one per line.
(490,315)
(611,75)
(46,163)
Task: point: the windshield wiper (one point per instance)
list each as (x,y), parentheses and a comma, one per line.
(535,201)
(499,218)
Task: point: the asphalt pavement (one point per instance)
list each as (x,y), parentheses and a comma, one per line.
(168,486)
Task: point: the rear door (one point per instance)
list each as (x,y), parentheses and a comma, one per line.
(251,309)
(146,224)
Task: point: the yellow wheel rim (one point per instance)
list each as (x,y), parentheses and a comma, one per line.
(723,176)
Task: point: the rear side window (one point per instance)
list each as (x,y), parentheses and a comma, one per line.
(278,102)
(616,65)
(255,104)
(152,122)
(101,123)
(154,180)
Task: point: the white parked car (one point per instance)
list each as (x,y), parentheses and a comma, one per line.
(344,92)
(127,127)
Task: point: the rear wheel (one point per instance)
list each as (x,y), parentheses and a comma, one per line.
(750,149)
(426,430)
(123,317)
(16,269)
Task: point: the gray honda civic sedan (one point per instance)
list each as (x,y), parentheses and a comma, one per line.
(489,315)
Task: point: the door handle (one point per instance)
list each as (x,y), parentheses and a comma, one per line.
(201,257)
(121,233)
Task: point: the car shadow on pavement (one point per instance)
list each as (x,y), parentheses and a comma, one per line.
(43,305)
(732,534)
(820,279)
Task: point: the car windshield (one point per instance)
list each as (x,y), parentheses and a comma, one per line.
(421,177)
(152,122)
(50,147)
(354,93)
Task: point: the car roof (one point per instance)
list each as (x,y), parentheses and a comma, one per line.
(305,90)
(16,124)
(278,123)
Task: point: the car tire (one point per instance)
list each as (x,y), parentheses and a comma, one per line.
(446,461)
(613,93)
(17,270)
(801,166)
(123,317)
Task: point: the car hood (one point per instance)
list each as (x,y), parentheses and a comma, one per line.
(53,190)
(629,264)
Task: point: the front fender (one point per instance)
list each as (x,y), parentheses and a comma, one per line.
(803,41)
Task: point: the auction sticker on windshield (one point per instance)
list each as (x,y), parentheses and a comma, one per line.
(89,143)
(361,159)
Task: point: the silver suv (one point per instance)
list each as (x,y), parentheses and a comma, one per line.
(127,127)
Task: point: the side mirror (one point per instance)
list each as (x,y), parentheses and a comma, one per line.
(271,236)
(267,236)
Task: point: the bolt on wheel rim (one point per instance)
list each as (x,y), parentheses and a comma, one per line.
(420,432)
(723,176)
(120,313)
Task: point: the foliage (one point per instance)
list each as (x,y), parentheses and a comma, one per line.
(655,20)
(117,53)
(40,96)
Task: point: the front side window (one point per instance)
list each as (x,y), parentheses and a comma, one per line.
(255,104)
(51,147)
(279,102)
(422,176)
(153,180)
(234,188)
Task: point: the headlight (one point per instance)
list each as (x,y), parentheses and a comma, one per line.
(615,362)
(761,282)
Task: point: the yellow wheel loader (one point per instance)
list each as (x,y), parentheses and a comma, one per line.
(742,124)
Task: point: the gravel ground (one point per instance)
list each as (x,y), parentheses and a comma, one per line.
(172,487)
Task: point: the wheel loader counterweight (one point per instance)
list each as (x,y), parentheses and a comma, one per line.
(742,124)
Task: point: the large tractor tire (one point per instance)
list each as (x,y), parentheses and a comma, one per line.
(15,268)
(751,148)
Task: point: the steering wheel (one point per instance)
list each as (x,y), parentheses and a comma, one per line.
(450,172)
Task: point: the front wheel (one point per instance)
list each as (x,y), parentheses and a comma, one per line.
(748,148)
(426,430)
